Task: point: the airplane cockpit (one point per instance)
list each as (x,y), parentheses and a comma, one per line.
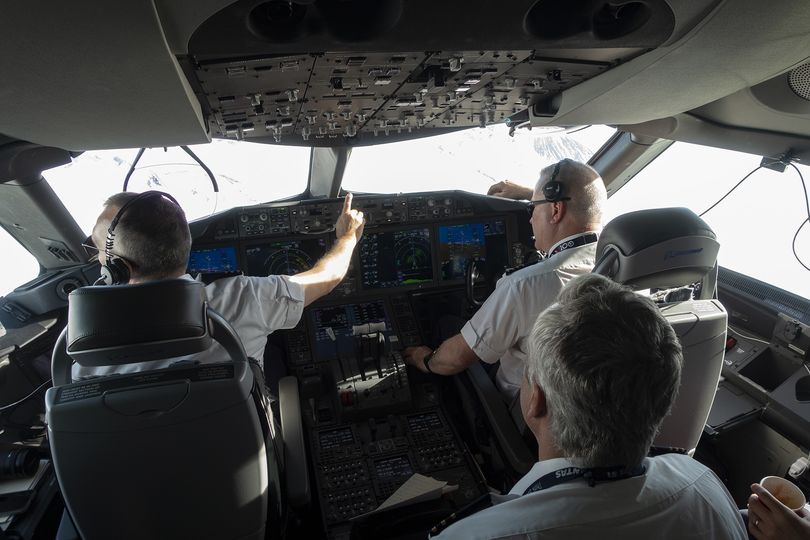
(403,105)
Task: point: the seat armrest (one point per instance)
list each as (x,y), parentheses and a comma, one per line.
(500,421)
(296,473)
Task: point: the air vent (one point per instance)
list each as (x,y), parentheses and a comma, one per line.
(559,19)
(278,20)
(799,80)
(59,250)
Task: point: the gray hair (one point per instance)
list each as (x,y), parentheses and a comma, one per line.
(609,364)
(152,234)
(583,184)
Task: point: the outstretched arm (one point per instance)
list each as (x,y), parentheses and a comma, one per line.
(510,190)
(331,268)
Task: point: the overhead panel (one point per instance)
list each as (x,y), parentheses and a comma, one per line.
(357,98)
(259,97)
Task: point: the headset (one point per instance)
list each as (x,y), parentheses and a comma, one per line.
(115,270)
(553,190)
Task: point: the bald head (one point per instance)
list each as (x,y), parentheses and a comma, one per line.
(585,188)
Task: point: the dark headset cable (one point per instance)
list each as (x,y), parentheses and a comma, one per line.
(807,206)
(729,192)
(26,398)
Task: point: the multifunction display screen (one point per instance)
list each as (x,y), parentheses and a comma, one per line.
(335,438)
(421,423)
(396,258)
(211,260)
(483,242)
(287,257)
(393,467)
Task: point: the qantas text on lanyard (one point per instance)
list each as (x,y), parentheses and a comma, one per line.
(593,475)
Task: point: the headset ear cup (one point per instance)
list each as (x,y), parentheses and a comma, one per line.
(115,272)
(552,191)
(106,276)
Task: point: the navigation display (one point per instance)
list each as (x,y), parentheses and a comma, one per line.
(339,321)
(459,244)
(286,257)
(206,261)
(396,258)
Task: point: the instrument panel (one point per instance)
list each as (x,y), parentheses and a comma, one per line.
(418,241)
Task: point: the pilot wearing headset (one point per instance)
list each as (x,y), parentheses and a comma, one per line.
(145,237)
(602,372)
(566,216)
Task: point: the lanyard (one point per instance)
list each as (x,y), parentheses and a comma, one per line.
(593,475)
(581,240)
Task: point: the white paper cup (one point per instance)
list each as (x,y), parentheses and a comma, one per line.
(786,491)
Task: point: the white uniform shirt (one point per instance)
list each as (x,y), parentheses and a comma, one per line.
(499,330)
(255,307)
(676,498)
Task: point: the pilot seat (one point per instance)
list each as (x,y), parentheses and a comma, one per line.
(675,250)
(183,452)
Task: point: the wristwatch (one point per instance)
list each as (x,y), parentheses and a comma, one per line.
(426,360)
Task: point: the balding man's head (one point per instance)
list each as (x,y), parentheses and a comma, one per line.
(152,236)
(583,185)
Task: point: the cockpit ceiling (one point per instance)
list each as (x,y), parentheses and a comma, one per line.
(93,74)
(524,52)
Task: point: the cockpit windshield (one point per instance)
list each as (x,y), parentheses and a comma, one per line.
(469,160)
(249,173)
(246,173)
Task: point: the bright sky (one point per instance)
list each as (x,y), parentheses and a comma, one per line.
(755,230)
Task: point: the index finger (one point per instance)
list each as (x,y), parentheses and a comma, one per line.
(347,202)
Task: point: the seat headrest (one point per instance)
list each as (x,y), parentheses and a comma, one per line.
(121,324)
(661,247)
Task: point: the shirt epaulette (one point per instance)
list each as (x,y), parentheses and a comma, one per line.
(482,502)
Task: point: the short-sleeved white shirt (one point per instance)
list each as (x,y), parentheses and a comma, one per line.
(499,330)
(255,307)
(676,498)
